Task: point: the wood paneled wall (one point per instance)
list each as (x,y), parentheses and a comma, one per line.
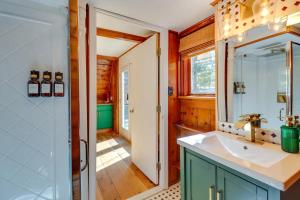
(189,111)
(173,107)
(107,86)
(199,114)
(104,69)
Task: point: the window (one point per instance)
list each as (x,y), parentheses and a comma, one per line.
(203,73)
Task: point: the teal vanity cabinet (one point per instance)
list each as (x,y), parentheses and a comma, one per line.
(205,179)
(200,178)
(232,187)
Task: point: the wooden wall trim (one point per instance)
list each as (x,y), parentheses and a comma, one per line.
(215,2)
(207,21)
(74,113)
(120,35)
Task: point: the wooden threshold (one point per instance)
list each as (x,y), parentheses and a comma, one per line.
(120,35)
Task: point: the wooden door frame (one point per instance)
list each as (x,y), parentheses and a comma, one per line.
(163,137)
(74,99)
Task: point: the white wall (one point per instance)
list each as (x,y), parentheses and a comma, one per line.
(34,132)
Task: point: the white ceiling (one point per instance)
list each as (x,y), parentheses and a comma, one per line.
(53,3)
(112,47)
(176,15)
(115,24)
(116,47)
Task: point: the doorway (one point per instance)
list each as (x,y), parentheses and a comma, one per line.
(92,102)
(127,116)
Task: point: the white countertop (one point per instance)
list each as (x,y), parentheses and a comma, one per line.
(281,175)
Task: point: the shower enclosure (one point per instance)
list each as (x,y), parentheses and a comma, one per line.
(266,80)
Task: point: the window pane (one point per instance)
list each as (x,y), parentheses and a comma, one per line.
(203,73)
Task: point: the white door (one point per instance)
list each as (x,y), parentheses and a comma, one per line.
(124,102)
(143,91)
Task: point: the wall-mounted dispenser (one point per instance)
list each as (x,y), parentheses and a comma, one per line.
(239,88)
(59,86)
(46,84)
(33,85)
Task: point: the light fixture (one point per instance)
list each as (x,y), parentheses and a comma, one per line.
(227,18)
(241,36)
(277,24)
(261,9)
(293,19)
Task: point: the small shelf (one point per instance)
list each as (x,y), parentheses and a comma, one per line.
(182,126)
(197,97)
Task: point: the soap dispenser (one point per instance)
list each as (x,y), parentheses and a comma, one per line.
(290,135)
(46,84)
(59,85)
(33,85)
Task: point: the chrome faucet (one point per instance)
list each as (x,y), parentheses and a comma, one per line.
(250,122)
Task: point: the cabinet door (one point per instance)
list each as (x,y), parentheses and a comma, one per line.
(200,179)
(231,187)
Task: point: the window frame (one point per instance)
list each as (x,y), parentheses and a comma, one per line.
(190,74)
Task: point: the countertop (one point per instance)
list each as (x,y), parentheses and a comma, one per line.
(280,175)
(105,104)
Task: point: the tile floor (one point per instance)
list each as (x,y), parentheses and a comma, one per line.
(173,193)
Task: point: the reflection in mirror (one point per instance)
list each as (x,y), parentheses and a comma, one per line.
(296,78)
(266,80)
(260,83)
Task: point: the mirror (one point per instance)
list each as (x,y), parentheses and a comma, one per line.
(266,80)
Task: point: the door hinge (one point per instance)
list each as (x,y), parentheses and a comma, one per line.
(158,51)
(158,109)
(158,166)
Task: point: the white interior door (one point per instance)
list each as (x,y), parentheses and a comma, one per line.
(143,91)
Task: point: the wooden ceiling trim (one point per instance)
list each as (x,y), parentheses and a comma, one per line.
(215,2)
(120,35)
(207,21)
(109,58)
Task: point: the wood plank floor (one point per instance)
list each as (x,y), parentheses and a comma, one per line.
(117,177)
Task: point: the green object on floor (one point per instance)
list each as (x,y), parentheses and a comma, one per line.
(104,116)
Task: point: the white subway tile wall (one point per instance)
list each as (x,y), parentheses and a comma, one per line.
(34,132)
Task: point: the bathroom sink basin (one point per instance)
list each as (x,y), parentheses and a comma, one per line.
(246,151)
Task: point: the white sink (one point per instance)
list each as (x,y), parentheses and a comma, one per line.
(246,151)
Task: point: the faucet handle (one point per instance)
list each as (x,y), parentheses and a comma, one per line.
(240,124)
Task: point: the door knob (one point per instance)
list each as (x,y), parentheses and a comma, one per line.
(131,110)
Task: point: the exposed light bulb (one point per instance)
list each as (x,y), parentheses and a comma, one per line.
(264,12)
(241,36)
(276,27)
(226,27)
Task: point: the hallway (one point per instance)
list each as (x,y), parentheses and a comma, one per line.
(117,176)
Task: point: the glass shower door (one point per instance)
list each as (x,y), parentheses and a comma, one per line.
(295,59)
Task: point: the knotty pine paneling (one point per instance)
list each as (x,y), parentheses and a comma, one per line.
(173,107)
(104,69)
(198,113)
(108,85)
